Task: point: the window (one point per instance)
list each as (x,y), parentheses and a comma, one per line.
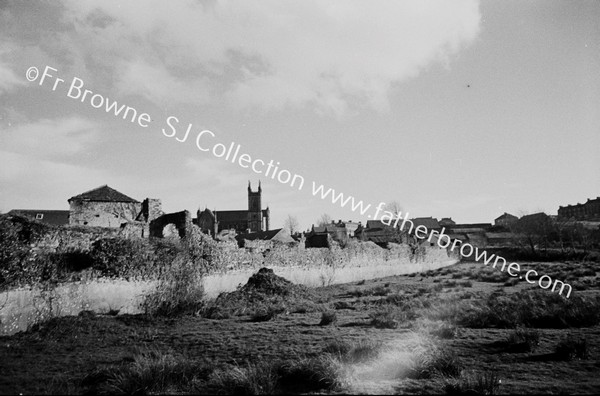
(39,216)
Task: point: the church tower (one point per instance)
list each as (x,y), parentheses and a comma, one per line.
(255,209)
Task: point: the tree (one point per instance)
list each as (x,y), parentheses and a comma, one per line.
(393,207)
(291,224)
(535,230)
(324,220)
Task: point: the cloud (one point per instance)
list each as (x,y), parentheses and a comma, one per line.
(51,139)
(8,78)
(40,183)
(270,54)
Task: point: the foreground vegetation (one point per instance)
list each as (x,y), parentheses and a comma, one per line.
(440,332)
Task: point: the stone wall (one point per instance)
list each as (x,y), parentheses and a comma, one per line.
(103,214)
(65,239)
(181,220)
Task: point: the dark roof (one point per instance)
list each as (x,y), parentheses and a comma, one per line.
(429,222)
(103,194)
(265,236)
(55,217)
(506,216)
(231,215)
(446,220)
(378,224)
(474,225)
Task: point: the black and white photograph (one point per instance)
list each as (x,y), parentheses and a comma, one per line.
(324,197)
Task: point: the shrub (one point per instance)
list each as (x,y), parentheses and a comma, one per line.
(466,283)
(180,290)
(570,348)
(114,257)
(328,318)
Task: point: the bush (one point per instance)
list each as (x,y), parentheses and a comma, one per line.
(114,257)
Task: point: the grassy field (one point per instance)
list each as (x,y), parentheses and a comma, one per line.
(464,329)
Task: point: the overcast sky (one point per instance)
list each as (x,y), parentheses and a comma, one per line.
(463,109)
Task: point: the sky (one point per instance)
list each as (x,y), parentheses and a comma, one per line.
(464,109)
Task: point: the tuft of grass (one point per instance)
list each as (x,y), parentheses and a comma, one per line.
(527,308)
(354,352)
(310,375)
(151,371)
(390,317)
(571,347)
(259,378)
(511,282)
(474,383)
(327,318)
(449,283)
(523,340)
(266,312)
(444,331)
(434,362)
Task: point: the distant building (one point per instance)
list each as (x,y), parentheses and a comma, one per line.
(431,223)
(53,217)
(264,240)
(469,228)
(447,221)
(505,220)
(587,211)
(254,219)
(320,236)
(379,233)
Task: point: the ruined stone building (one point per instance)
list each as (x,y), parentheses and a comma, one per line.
(103,207)
(255,219)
